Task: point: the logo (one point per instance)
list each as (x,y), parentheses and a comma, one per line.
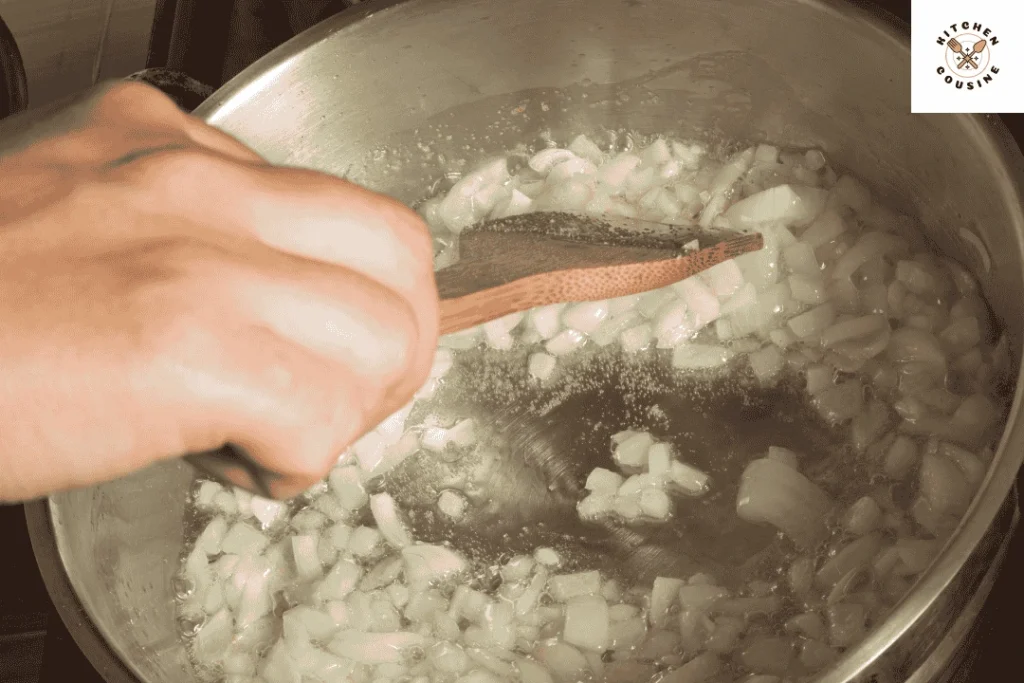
(967,56)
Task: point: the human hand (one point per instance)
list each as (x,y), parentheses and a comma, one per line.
(164,290)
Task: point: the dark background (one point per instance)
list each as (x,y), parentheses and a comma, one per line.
(210,41)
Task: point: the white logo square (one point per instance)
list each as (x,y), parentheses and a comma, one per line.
(967,58)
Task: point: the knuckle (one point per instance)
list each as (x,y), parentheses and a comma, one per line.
(186,173)
(132,100)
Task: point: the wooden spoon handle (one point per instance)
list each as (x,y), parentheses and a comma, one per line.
(586,284)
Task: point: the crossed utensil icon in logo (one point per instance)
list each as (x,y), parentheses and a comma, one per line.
(966,60)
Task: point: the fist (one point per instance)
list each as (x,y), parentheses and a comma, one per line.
(165,291)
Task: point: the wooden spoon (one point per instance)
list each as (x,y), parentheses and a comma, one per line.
(514,264)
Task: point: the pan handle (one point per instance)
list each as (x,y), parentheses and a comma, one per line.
(187,92)
(13,79)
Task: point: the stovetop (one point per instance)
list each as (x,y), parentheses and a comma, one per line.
(210,41)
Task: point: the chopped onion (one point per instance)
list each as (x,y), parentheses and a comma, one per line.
(825,229)
(779,495)
(601,480)
(566,663)
(564,587)
(586,623)
(632,451)
(242,539)
(813,322)
(700,356)
(766,363)
(583,147)
(546,320)
(565,342)
(385,514)
(840,403)
(375,648)
(701,668)
(788,204)
(586,317)
(347,486)
(452,503)
(724,279)
(870,247)
(855,555)
(426,565)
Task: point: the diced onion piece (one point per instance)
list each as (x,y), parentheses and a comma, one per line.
(916,554)
(655,503)
(909,345)
(701,668)
(376,648)
(819,378)
(364,541)
(565,342)
(841,402)
(307,559)
(340,581)
(546,159)
(659,459)
(566,663)
(813,322)
(701,302)
(826,228)
(385,514)
(743,297)
(212,537)
(807,289)
(725,278)
(766,363)
(548,557)
(632,451)
(855,555)
(869,248)
(863,517)
(788,204)
(944,485)
(586,622)
(856,328)
(452,503)
(546,320)
(799,259)
(664,596)
(426,565)
(207,494)
(564,587)
(601,480)
(700,356)
(691,480)
(541,366)
(586,317)
(846,624)
(768,654)
(347,485)
(636,339)
(242,539)
(785,456)
(583,147)
(779,495)
(700,597)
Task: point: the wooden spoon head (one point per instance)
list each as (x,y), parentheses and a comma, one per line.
(510,266)
(980,45)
